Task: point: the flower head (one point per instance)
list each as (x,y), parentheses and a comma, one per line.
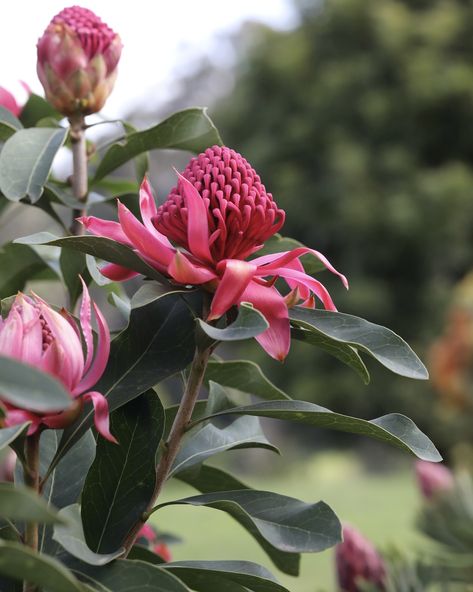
(77,61)
(218,215)
(357,561)
(52,341)
(149,537)
(433,478)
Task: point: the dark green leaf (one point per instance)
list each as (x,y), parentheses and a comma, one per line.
(394,428)
(385,346)
(142,160)
(343,351)
(71,538)
(122,478)
(210,479)
(35,109)
(28,388)
(26,160)
(158,342)
(18,264)
(204,576)
(72,265)
(190,129)
(9,435)
(284,523)
(20,503)
(61,195)
(245,376)
(249,323)
(140,553)
(9,124)
(19,562)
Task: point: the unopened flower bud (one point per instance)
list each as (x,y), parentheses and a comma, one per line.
(77,61)
(433,478)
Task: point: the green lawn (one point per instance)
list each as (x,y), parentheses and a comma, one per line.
(382,506)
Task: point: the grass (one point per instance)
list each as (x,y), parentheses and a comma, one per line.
(383,507)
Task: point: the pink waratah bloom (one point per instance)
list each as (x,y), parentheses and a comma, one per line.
(10,102)
(77,63)
(357,561)
(35,334)
(150,538)
(433,478)
(219,215)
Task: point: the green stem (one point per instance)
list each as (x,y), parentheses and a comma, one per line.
(79,169)
(31,477)
(178,429)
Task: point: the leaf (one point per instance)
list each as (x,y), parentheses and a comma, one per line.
(71,538)
(16,559)
(100,247)
(385,346)
(249,323)
(190,129)
(26,160)
(20,503)
(245,376)
(342,351)
(9,124)
(203,576)
(210,479)
(18,264)
(35,109)
(394,428)
(24,386)
(121,481)
(9,435)
(158,342)
(276,521)
(72,265)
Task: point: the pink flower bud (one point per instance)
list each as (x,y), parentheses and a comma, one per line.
(433,478)
(7,466)
(149,537)
(77,61)
(358,561)
(52,341)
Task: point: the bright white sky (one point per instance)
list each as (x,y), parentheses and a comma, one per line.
(158,37)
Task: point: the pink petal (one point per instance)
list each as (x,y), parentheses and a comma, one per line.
(184,272)
(146,242)
(197,222)
(148,210)
(306,280)
(85,323)
(105,228)
(8,101)
(276,339)
(267,263)
(18,416)
(101,414)
(11,335)
(235,279)
(117,273)
(102,353)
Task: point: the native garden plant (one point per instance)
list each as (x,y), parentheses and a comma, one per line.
(209,264)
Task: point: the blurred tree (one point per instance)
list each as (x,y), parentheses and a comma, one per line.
(360,121)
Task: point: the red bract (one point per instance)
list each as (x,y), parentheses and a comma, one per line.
(219,214)
(433,478)
(150,538)
(357,561)
(36,334)
(77,61)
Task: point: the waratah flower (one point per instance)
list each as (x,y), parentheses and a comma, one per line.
(219,215)
(77,61)
(433,478)
(358,562)
(149,537)
(35,334)
(10,102)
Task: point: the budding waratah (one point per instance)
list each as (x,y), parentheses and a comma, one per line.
(433,478)
(77,61)
(36,334)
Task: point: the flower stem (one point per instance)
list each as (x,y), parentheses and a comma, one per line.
(31,476)
(178,429)
(79,169)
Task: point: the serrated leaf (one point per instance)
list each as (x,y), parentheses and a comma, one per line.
(394,428)
(190,129)
(384,345)
(24,386)
(287,524)
(249,323)
(9,124)
(121,481)
(18,264)
(20,503)
(19,562)
(26,160)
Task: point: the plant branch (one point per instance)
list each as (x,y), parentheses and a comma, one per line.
(79,168)
(32,477)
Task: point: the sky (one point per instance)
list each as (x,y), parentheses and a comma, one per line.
(159,38)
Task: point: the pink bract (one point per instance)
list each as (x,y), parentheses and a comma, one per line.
(52,341)
(217,216)
(433,478)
